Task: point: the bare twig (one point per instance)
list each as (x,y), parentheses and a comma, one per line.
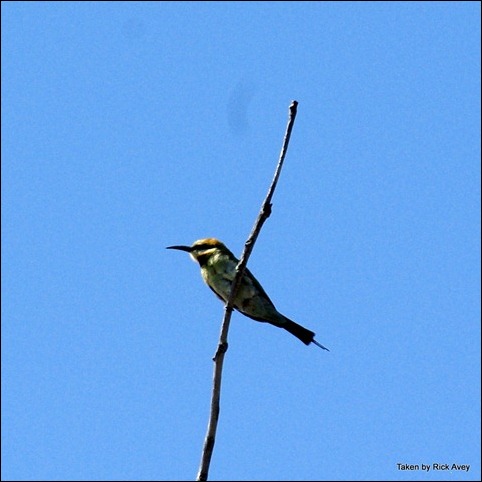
(228,309)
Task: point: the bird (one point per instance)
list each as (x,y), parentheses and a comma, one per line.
(218,267)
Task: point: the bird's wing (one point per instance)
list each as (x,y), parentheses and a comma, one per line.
(257,285)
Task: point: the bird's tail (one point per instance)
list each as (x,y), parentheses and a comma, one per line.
(302,333)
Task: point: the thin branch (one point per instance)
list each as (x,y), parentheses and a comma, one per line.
(223,339)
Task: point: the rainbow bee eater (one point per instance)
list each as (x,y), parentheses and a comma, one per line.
(218,266)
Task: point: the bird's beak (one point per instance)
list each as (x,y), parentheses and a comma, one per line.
(181,248)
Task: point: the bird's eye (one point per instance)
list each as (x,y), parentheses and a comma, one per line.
(203,247)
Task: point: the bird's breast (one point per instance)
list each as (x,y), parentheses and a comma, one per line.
(218,272)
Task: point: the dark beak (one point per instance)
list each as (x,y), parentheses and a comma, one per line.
(181,248)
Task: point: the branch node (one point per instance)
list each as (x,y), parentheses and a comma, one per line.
(268,209)
(222,348)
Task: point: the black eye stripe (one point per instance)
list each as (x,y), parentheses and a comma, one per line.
(202,259)
(201,247)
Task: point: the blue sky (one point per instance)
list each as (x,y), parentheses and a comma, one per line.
(131,126)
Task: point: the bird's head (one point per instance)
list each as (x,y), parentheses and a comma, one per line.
(202,249)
